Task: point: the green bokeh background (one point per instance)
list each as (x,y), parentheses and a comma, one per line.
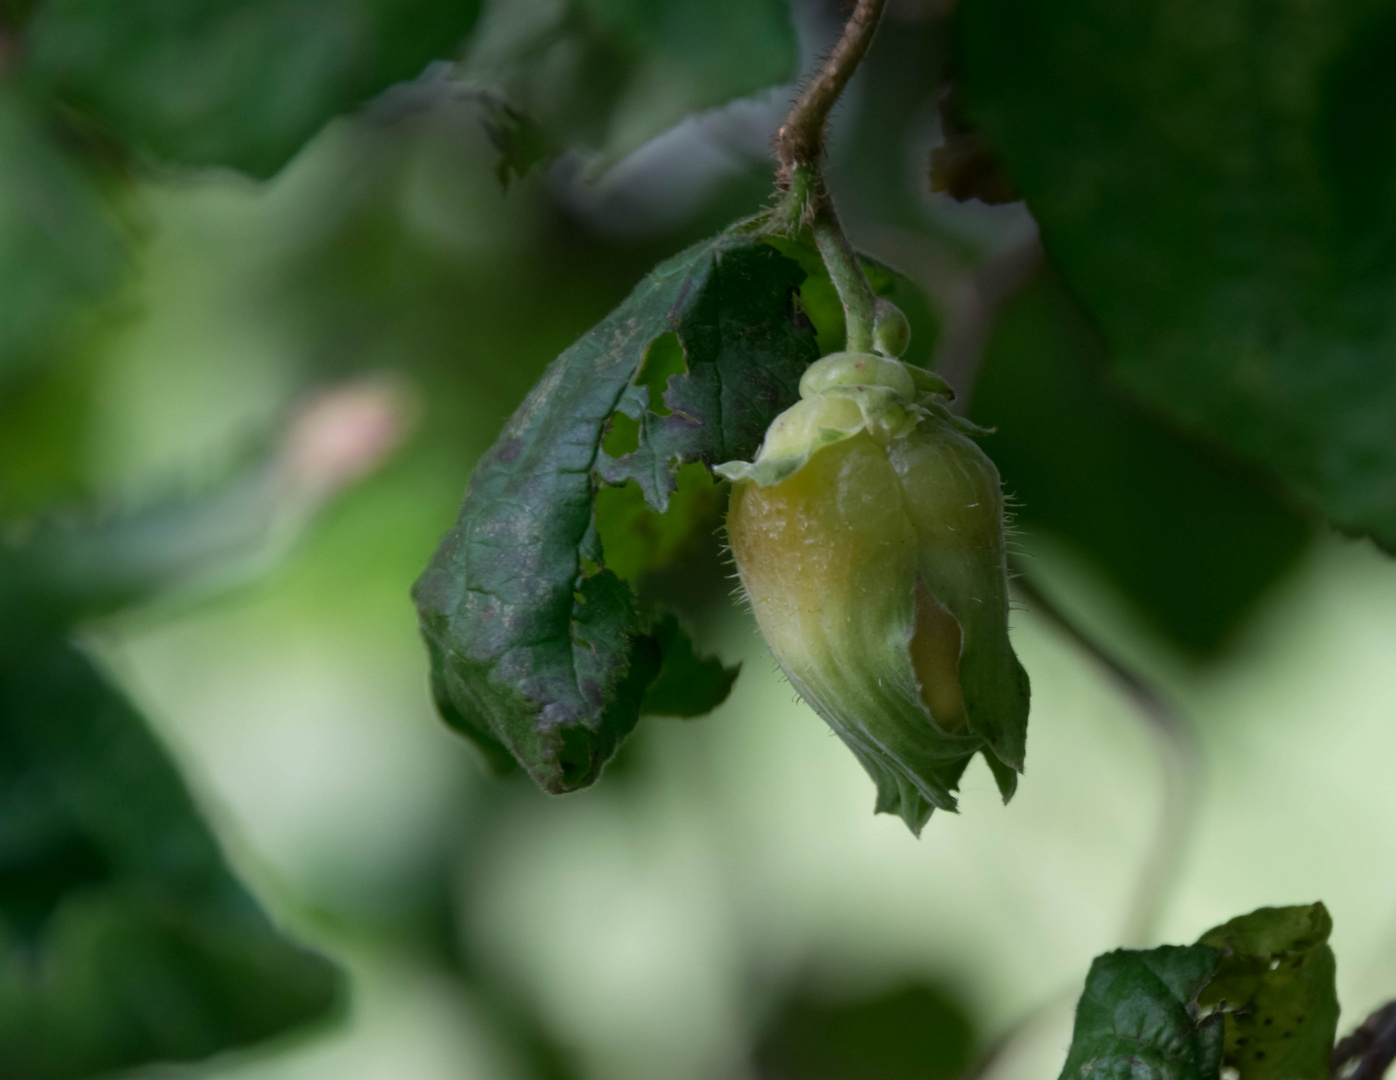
(725,890)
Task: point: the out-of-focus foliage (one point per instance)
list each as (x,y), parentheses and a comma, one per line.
(1217,190)
(612,74)
(1192,539)
(125,937)
(232,82)
(915,1031)
(61,247)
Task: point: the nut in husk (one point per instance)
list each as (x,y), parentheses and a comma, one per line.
(869,538)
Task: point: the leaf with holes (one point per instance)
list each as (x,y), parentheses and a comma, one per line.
(115,892)
(539,652)
(1139,1018)
(1275,985)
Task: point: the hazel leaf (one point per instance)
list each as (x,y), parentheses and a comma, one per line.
(1275,985)
(539,651)
(1139,1018)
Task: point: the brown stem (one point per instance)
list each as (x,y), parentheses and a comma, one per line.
(1368,1051)
(800,141)
(804,201)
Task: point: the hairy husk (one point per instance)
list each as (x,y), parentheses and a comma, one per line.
(876,569)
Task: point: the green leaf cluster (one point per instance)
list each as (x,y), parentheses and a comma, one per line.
(1255,994)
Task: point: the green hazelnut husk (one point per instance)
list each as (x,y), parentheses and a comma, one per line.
(869,538)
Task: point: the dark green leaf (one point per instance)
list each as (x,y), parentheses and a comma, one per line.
(612,74)
(126,939)
(1187,535)
(1275,983)
(233,82)
(1138,1018)
(1217,187)
(687,685)
(538,650)
(60,246)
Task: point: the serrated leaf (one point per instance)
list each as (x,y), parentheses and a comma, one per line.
(1138,1018)
(610,75)
(125,938)
(1215,185)
(232,82)
(60,246)
(1275,985)
(538,650)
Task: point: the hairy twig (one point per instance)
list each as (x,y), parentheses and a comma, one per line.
(804,199)
(1181,771)
(1368,1051)
(800,141)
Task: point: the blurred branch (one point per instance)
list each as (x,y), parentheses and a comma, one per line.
(1181,766)
(1367,1052)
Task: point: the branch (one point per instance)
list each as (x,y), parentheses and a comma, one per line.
(1366,1053)
(800,141)
(804,200)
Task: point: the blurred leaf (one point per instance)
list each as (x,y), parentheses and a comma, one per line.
(912,1032)
(233,82)
(60,245)
(1275,983)
(1215,183)
(520,140)
(538,650)
(1187,535)
(126,939)
(1138,1018)
(60,569)
(965,166)
(687,685)
(612,74)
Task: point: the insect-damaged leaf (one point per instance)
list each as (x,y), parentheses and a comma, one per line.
(539,653)
(124,937)
(1138,1018)
(1275,983)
